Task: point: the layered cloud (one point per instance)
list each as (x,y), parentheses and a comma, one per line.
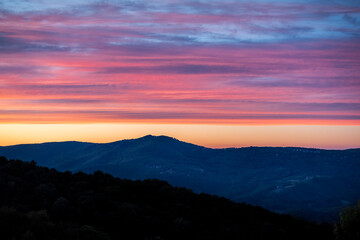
(180,61)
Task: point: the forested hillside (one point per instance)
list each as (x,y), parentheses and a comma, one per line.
(41,203)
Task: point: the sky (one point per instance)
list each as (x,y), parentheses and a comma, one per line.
(218,73)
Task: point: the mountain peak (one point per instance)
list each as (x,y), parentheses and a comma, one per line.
(157,137)
(148,136)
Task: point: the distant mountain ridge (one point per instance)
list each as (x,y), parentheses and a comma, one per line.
(312,183)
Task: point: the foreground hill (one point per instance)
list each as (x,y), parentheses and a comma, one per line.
(311,183)
(39,203)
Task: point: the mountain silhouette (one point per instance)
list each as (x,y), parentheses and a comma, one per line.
(314,184)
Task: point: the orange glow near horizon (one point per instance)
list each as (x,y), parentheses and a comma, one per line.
(209,135)
(214,73)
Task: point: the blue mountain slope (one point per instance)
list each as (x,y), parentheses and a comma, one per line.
(311,183)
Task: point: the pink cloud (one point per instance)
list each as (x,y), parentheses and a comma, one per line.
(106,66)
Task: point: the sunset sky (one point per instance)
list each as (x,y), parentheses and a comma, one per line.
(217,73)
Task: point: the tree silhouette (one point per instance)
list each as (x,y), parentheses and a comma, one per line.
(349,226)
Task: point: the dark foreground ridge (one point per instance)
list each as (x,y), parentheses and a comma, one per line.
(41,203)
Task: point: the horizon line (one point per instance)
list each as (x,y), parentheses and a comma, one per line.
(161,135)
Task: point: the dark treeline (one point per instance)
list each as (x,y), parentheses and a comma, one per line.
(41,203)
